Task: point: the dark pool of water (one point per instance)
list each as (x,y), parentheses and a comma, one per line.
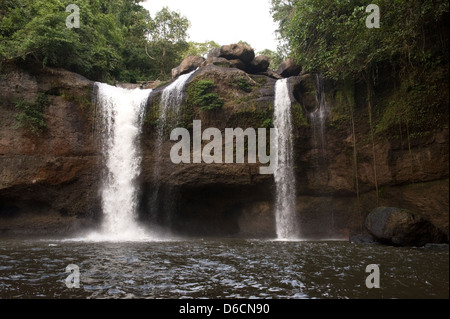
(220,269)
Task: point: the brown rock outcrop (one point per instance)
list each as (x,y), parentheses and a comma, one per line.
(56,173)
(239,51)
(189,64)
(402,227)
(289,68)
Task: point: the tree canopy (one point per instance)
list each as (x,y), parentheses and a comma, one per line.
(202,48)
(167,35)
(116,40)
(331,36)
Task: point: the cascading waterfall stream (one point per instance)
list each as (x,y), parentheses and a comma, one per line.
(171,100)
(320,176)
(285,205)
(319,116)
(122,115)
(172,97)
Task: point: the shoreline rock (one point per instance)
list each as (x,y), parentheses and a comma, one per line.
(401,227)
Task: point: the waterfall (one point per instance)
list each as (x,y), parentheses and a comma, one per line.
(171,100)
(173,95)
(318,118)
(285,205)
(319,177)
(122,114)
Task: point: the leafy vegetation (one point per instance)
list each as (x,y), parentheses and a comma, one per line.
(332,37)
(401,68)
(410,49)
(298,116)
(415,107)
(30,115)
(168,44)
(267,123)
(201,48)
(116,41)
(242,83)
(200,94)
(276,57)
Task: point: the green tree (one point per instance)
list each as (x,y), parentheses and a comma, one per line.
(116,41)
(36,31)
(331,36)
(168,40)
(275,57)
(201,48)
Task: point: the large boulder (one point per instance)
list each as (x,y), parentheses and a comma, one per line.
(402,227)
(289,68)
(238,64)
(222,62)
(189,64)
(259,64)
(214,53)
(271,74)
(238,51)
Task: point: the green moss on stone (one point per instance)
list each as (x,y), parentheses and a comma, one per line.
(31,115)
(201,94)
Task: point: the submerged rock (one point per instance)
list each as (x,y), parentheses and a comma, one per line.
(402,227)
(362,238)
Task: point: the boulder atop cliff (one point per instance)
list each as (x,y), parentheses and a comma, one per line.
(402,227)
(289,68)
(188,65)
(239,51)
(239,56)
(259,64)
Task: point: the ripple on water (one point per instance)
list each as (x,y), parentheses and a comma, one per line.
(220,269)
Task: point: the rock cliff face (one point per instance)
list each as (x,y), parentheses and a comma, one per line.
(49,183)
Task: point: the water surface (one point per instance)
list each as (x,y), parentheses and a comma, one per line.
(223,268)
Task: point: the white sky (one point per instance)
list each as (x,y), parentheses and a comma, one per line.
(225,21)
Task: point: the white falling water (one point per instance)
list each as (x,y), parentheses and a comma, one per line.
(285,206)
(171,100)
(122,115)
(319,116)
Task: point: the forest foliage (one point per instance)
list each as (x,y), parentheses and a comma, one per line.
(331,36)
(116,40)
(405,58)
